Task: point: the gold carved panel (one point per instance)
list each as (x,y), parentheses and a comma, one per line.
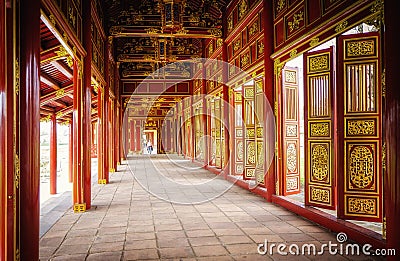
(250,133)
(292,183)
(251,153)
(361,167)
(361,206)
(320,162)
(290,76)
(239,150)
(318,63)
(319,129)
(291,157)
(320,195)
(250,173)
(361,48)
(291,130)
(361,127)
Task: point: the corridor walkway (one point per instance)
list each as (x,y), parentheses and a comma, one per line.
(152,218)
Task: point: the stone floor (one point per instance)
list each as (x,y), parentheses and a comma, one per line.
(166,208)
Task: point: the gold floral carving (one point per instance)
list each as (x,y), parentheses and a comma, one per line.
(242,8)
(314,42)
(220,42)
(60,93)
(318,63)
(360,127)
(295,23)
(260,49)
(319,129)
(236,45)
(293,53)
(17,76)
(320,195)
(360,48)
(45,119)
(215,32)
(280,5)
(245,60)
(361,167)
(361,205)
(378,18)
(251,153)
(341,27)
(230,23)
(253,29)
(291,157)
(17,171)
(319,162)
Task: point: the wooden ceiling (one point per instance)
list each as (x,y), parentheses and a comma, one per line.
(144,42)
(56,78)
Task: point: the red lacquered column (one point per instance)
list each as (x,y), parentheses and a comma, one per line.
(77,190)
(106,108)
(225,97)
(53,154)
(3,132)
(71,152)
(392,176)
(269,93)
(100,151)
(137,139)
(132,144)
(29,140)
(87,104)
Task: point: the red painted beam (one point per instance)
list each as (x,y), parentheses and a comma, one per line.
(53,155)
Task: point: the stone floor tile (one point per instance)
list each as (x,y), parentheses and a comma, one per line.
(180,252)
(228,240)
(241,249)
(204,241)
(140,254)
(107,247)
(140,244)
(78,257)
(107,256)
(217,250)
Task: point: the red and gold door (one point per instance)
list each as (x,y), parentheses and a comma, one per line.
(359,127)
(260,133)
(238,127)
(291,131)
(249,132)
(320,189)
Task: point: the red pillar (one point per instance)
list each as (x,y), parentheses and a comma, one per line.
(71,153)
(53,154)
(225,120)
(3,133)
(106,109)
(392,176)
(269,93)
(77,190)
(87,104)
(12,224)
(131,136)
(100,151)
(29,97)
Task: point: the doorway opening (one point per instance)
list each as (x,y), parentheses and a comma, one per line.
(149,139)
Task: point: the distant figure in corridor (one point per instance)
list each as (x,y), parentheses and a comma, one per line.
(149,147)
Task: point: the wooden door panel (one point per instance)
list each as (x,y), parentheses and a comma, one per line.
(249,132)
(291,131)
(320,185)
(360,128)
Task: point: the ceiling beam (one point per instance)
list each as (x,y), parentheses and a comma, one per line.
(49,81)
(63,69)
(58,94)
